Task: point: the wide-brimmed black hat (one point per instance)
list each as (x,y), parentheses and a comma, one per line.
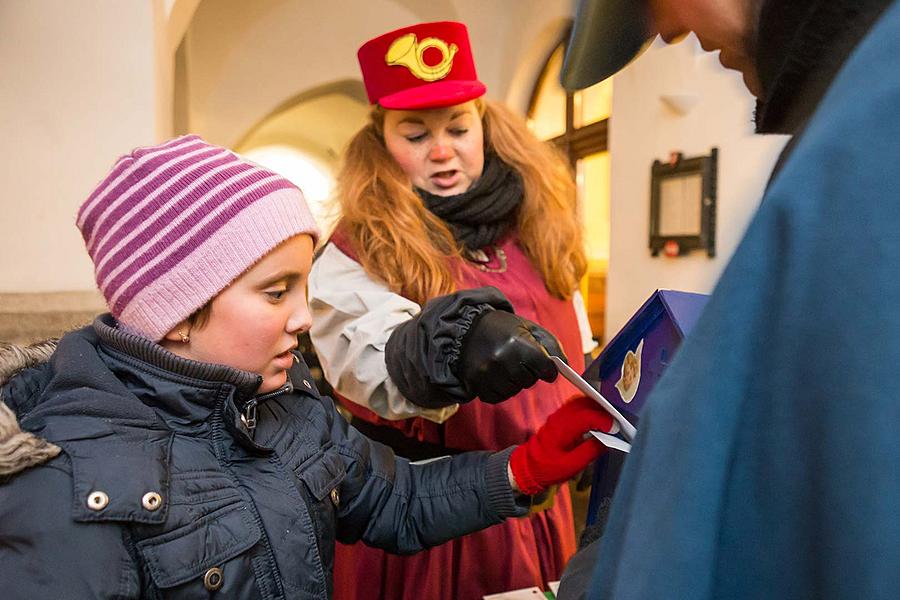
(606,36)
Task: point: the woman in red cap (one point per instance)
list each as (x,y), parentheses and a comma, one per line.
(429,293)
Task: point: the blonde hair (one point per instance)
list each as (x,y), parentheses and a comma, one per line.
(397,239)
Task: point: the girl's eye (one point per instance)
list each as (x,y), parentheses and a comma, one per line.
(416,138)
(459,132)
(276,295)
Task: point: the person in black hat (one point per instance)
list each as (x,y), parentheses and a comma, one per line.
(766,464)
(608,34)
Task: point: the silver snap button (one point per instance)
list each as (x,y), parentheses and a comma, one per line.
(335,497)
(213,579)
(151,501)
(307,384)
(97,500)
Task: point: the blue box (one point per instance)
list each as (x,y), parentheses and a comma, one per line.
(629,367)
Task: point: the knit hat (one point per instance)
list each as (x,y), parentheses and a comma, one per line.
(173,225)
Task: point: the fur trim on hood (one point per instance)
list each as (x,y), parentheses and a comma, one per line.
(19,449)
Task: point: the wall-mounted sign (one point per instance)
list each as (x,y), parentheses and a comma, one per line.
(683,205)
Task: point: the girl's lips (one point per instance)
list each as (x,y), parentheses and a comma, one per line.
(445,179)
(284,361)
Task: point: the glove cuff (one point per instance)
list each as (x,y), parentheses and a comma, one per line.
(468,317)
(518,464)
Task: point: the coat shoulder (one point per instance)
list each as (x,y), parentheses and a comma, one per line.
(20,450)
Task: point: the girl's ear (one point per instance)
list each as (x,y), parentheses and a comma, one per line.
(181,333)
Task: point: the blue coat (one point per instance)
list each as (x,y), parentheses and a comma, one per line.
(768,463)
(162,490)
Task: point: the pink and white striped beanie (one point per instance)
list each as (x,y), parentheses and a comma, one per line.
(173,225)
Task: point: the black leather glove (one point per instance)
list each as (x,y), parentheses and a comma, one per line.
(502,354)
(422,354)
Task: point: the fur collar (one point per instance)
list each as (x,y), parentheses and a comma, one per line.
(19,449)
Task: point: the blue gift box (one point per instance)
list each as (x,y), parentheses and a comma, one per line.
(629,367)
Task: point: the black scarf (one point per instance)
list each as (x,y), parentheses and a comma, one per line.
(483,213)
(800,47)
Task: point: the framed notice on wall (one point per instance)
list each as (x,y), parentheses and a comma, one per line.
(683,205)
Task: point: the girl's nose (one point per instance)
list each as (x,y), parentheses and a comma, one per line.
(440,152)
(300,321)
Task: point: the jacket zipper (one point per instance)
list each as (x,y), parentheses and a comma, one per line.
(218,438)
(248,414)
(248,417)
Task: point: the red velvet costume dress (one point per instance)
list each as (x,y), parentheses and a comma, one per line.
(520,552)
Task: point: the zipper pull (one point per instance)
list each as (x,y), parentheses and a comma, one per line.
(248,416)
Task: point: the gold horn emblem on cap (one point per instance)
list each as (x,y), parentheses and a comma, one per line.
(409,52)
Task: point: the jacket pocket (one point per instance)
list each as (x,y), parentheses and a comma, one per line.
(205,556)
(322,475)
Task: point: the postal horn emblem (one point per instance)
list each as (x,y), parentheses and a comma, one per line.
(408,52)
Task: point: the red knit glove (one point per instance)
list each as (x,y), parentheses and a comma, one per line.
(559,450)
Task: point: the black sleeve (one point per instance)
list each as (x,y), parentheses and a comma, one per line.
(421,354)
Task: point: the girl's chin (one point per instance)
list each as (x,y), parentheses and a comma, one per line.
(272,382)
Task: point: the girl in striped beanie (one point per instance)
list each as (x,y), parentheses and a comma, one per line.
(185,444)
(172,226)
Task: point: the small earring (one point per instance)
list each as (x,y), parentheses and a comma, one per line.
(184,338)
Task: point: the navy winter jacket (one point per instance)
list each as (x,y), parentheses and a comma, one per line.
(164,487)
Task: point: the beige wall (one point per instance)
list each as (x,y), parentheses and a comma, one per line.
(644,129)
(78,88)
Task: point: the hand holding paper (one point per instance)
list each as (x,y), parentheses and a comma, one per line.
(559,450)
(502,354)
(588,390)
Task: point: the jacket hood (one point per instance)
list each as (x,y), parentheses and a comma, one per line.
(19,449)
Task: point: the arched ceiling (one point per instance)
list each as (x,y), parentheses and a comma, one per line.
(319,123)
(246,59)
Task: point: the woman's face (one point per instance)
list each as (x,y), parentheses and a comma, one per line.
(254,323)
(441,150)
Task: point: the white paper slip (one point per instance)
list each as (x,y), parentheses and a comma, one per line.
(611,441)
(554,587)
(588,390)
(531,593)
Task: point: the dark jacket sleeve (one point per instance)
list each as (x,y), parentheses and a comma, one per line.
(404,507)
(45,554)
(421,354)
